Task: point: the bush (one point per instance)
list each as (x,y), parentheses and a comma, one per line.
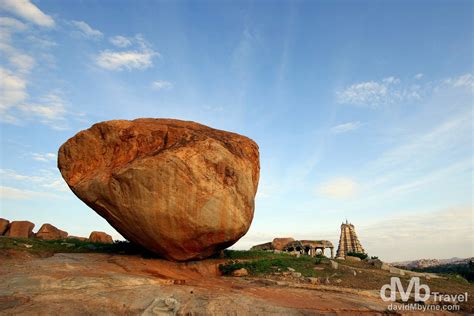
(360,255)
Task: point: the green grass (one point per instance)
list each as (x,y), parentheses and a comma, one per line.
(305,265)
(252,254)
(69,245)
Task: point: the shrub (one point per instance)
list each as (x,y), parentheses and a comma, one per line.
(358,254)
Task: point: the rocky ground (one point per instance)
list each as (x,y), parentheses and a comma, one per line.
(51,283)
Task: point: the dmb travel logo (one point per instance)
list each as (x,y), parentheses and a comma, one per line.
(418,297)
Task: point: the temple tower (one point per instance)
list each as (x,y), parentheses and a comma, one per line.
(348,242)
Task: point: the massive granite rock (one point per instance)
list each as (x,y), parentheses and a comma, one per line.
(180,189)
(50,232)
(3,226)
(100,237)
(21,229)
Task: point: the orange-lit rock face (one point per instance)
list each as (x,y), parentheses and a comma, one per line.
(49,232)
(180,189)
(280,243)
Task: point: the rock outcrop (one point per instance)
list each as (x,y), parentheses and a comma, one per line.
(280,243)
(100,237)
(21,229)
(50,232)
(3,226)
(180,189)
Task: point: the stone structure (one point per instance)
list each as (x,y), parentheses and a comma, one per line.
(180,189)
(348,241)
(50,232)
(304,247)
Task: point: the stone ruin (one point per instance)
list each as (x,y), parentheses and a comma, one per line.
(348,242)
(297,247)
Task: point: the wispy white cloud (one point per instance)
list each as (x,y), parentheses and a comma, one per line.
(10,193)
(13,24)
(141,57)
(463,81)
(161,85)
(13,175)
(421,234)
(27,11)
(346,127)
(23,62)
(44,157)
(129,60)
(375,93)
(50,110)
(12,90)
(120,41)
(85,30)
(430,143)
(16,105)
(42,43)
(43,179)
(418,76)
(338,188)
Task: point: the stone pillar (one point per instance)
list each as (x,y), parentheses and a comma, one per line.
(332,252)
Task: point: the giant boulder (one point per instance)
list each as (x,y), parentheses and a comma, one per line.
(180,189)
(50,232)
(100,237)
(21,229)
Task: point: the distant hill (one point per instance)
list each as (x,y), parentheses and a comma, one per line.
(463,267)
(426,263)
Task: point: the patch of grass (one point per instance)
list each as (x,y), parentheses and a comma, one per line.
(252,254)
(69,245)
(305,265)
(360,255)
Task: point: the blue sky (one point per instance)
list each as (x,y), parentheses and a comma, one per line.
(362,109)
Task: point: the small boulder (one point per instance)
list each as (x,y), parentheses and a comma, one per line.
(240,272)
(313,280)
(291,269)
(379,264)
(397,271)
(334,265)
(296,274)
(353,259)
(3,226)
(100,237)
(385,267)
(50,232)
(21,229)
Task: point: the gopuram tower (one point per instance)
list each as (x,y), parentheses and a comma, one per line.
(348,242)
